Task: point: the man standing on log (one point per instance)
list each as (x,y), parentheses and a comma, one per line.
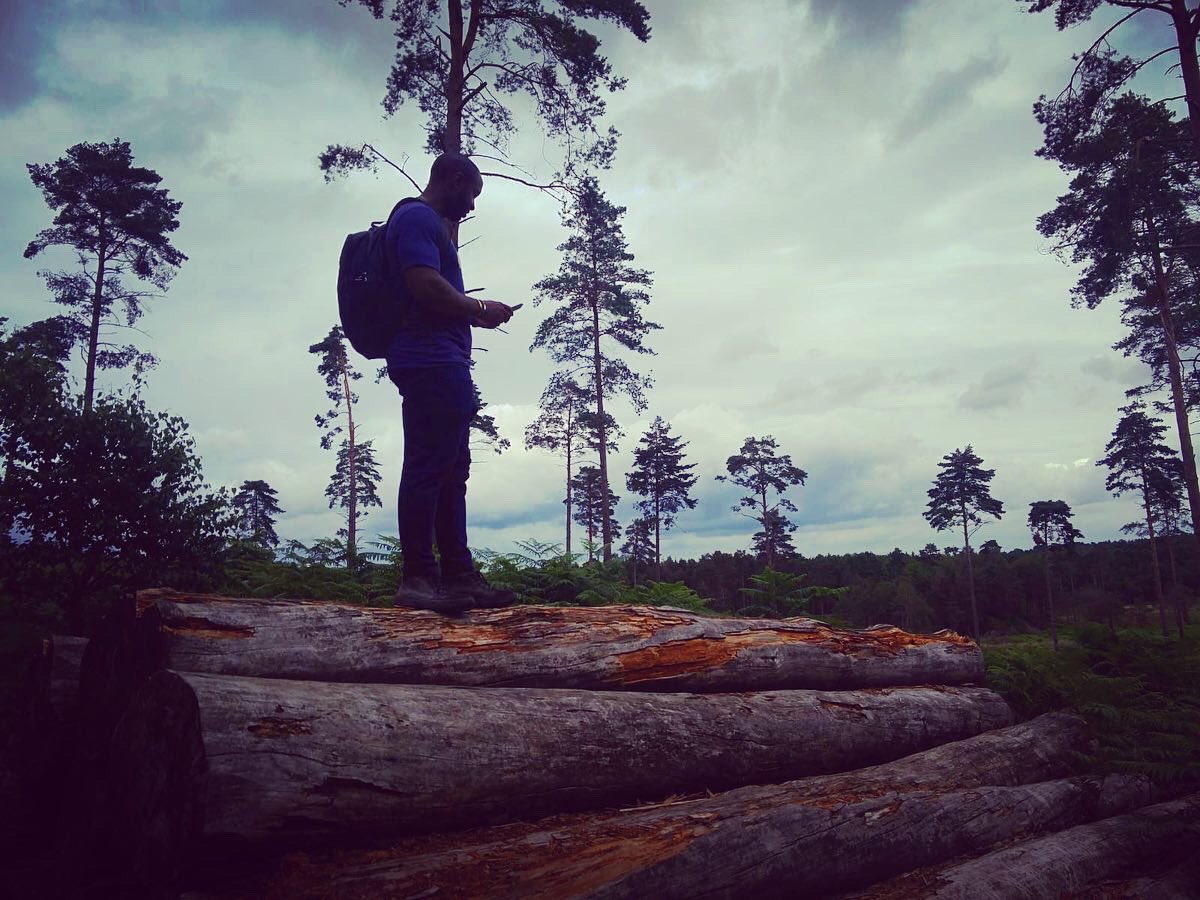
(429,361)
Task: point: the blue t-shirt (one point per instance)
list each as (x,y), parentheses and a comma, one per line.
(418,236)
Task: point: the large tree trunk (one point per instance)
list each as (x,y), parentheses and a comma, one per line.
(89,378)
(1063,863)
(1174,367)
(606,648)
(305,763)
(975,632)
(598,375)
(1158,588)
(800,839)
(1049,593)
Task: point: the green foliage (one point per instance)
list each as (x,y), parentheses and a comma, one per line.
(659,593)
(459,68)
(662,479)
(1140,693)
(760,471)
(256,507)
(95,503)
(779,595)
(117,219)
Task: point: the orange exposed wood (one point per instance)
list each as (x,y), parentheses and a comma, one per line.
(197,626)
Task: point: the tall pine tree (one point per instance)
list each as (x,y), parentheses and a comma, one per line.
(1137,460)
(598,298)
(1050,523)
(458,61)
(1129,218)
(117,219)
(762,472)
(593,506)
(256,506)
(352,485)
(960,498)
(663,480)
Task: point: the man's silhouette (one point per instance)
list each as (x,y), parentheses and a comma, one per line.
(429,361)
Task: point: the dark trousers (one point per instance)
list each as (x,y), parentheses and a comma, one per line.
(439,404)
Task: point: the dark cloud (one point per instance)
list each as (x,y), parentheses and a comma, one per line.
(998,387)
(948,92)
(861,20)
(28,28)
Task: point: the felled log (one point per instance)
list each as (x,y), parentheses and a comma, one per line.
(607,648)
(306,763)
(1064,863)
(804,838)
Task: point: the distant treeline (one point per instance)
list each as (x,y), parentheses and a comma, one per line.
(928,590)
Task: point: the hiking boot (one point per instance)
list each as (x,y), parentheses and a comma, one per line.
(416,592)
(474,586)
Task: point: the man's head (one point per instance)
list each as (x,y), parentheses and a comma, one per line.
(454,183)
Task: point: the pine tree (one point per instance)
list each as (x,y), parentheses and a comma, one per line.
(1100,71)
(567,425)
(598,298)
(1128,216)
(660,476)
(775,539)
(459,59)
(759,470)
(256,506)
(347,484)
(1137,460)
(1050,522)
(117,220)
(484,425)
(593,506)
(960,498)
(638,548)
(353,487)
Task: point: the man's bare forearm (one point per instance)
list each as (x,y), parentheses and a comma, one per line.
(433,291)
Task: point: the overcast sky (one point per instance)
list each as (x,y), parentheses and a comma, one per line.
(836,198)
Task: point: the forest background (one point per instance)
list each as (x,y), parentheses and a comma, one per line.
(857,275)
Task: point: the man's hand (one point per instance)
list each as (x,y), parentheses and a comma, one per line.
(492,314)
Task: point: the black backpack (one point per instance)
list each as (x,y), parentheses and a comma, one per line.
(371,303)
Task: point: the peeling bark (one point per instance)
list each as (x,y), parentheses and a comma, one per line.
(307,763)
(624,648)
(1065,863)
(804,838)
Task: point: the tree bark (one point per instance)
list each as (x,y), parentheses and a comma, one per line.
(1189,66)
(597,364)
(975,632)
(352,498)
(1158,588)
(1049,591)
(605,648)
(1063,863)
(89,379)
(1174,367)
(804,838)
(294,764)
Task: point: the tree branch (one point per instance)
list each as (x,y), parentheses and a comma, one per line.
(398,168)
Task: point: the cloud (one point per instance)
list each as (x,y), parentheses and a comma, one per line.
(862,23)
(948,92)
(998,387)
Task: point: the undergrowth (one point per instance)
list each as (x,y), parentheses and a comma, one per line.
(1139,692)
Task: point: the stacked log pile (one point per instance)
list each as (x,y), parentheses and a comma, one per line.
(538,751)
